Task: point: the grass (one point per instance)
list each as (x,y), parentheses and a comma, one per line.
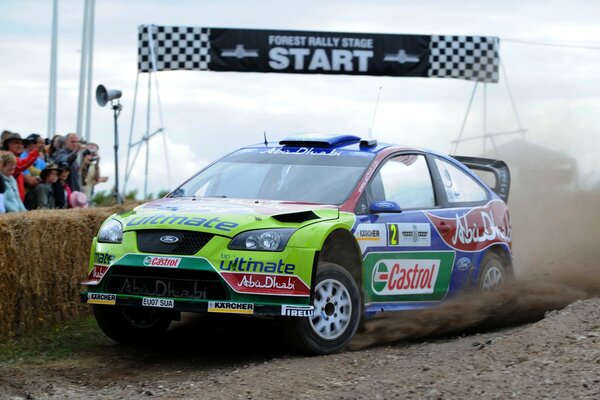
(81,343)
(58,342)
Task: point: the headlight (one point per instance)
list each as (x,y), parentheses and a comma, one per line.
(263,240)
(111,231)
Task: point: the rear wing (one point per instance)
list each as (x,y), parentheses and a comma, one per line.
(498,168)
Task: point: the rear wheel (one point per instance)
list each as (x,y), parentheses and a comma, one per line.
(337,313)
(493,273)
(128,325)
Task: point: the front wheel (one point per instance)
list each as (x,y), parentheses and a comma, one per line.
(129,325)
(337,313)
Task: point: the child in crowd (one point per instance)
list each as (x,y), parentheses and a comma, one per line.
(43,196)
(12,199)
(62,191)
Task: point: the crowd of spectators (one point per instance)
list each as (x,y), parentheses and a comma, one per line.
(38,173)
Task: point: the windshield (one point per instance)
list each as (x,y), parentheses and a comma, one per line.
(276,175)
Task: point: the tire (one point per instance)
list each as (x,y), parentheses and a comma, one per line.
(127,325)
(493,273)
(338,307)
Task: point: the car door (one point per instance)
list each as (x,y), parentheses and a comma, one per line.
(467,221)
(405,264)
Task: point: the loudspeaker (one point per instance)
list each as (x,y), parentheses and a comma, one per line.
(103,96)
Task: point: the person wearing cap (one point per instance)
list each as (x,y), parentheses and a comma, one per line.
(69,154)
(14,144)
(34,141)
(31,176)
(62,191)
(42,196)
(5,133)
(78,200)
(12,200)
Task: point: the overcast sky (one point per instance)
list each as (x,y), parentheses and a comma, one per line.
(207,114)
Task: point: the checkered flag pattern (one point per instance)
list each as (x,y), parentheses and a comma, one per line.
(474,58)
(175,48)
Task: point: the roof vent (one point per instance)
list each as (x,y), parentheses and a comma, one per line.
(368,142)
(317,140)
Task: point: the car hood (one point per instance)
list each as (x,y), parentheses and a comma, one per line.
(224,216)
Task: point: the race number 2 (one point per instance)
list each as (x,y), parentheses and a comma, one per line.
(392,235)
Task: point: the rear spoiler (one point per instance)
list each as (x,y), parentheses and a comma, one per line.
(496,167)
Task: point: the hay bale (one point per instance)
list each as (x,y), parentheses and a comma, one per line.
(43,257)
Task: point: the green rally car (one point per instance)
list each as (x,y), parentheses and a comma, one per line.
(318,231)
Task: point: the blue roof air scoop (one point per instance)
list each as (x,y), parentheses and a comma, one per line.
(318,140)
(368,143)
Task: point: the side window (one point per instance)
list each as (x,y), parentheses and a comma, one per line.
(406,180)
(459,186)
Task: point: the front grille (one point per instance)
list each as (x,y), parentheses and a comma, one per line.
(189,243)
(166,282)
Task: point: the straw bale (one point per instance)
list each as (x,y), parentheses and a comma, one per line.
(43,257)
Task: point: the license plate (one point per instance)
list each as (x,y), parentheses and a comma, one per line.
(162,303)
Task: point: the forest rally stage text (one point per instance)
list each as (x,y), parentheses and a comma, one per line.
(343,53)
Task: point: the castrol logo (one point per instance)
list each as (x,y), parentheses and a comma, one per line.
(167,262)
(395,277)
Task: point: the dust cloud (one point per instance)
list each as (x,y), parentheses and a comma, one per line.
(516,303)
(555,249)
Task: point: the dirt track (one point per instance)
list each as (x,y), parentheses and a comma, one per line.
(502,345)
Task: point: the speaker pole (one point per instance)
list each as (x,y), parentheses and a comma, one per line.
(103,96)
(116,112)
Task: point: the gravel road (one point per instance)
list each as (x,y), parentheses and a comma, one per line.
(555,357)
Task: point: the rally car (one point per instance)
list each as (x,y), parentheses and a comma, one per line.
(321,232)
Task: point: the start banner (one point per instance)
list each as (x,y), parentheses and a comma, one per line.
(171,48)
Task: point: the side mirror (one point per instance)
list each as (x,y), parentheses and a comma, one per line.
(385,207)
(177,193)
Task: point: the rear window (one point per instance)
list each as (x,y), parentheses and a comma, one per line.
(459,187)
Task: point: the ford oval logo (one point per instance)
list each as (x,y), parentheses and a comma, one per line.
(463,264)
(169,239)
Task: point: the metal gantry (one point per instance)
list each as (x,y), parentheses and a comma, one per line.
(488,135)
(148,134)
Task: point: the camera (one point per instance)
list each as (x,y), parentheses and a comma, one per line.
(88,152)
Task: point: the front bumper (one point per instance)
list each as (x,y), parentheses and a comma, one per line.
(199,306)
(195,284)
